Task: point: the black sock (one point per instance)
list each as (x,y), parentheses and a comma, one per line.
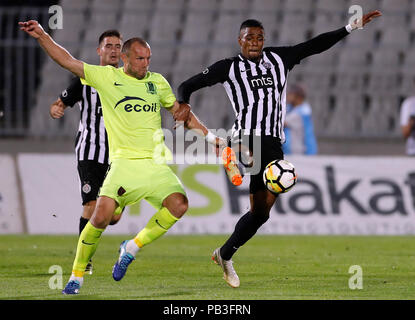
(245,229)
(82,223)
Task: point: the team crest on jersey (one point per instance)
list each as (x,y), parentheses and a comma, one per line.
(267,65)
(151,87)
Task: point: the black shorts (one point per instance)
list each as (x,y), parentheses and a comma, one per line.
(264,149)
(91,175)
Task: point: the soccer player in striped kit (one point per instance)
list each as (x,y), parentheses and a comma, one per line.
(255,82)
(91,144)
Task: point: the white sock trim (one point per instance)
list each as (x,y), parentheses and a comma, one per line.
(132,247)
(79,279)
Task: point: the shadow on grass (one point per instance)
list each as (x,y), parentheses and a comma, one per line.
(30,275)
(81,296)
(52,296)
(144,296)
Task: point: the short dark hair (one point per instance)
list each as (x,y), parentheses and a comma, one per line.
(129,42)
(251,23)
(109,33)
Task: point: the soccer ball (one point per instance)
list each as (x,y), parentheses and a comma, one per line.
(279,176)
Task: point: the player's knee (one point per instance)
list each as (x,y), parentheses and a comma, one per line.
(180,207)
(177,204)
(99,220)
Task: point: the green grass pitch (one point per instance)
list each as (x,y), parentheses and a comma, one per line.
(180,268)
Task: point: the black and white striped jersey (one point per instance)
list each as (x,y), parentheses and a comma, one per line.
(257,90)
(91,141)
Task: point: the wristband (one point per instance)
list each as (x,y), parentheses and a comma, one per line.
(349,28)
(211,138)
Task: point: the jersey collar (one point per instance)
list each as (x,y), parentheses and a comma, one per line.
(242,58)
(148,74)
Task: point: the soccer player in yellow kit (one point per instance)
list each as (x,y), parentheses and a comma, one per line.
(131,99)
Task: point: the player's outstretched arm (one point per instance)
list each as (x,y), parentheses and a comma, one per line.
(57,109)
(293,55)
(59,54)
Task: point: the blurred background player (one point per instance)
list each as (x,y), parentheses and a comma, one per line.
(299,128)
(408,124)
(131,97)
(91,144)
(255,82)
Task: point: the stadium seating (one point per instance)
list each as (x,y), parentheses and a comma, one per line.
(298,5)
(164,31)
(136,17)
(55,79)
(195,38)
(395,6)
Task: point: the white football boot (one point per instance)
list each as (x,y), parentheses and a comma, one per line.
(229,273)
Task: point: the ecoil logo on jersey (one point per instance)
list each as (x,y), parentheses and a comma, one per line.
(261,82)
(137,107)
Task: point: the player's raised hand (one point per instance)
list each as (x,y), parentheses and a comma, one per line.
(57,109)
(359,23)
(370,16)
(32,28)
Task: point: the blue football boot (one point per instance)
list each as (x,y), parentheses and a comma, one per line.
(124,260)
(72,287)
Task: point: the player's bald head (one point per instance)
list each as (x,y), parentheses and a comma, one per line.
(130,42)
